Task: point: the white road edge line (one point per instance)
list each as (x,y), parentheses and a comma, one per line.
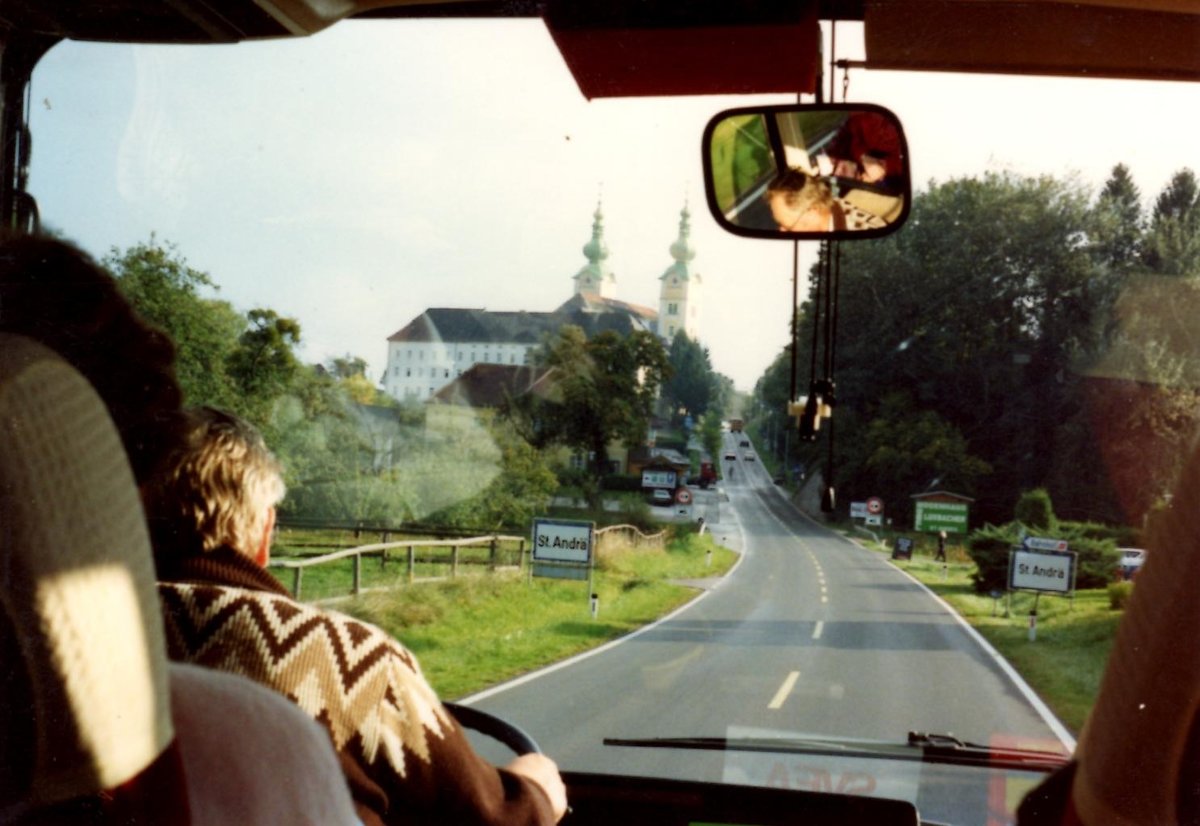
(817,631)
(591,652)
(784,690)
(1054,724)
(1041,708)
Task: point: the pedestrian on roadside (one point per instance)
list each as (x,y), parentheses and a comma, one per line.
(941,553)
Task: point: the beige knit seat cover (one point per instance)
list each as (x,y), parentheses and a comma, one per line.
(84,702)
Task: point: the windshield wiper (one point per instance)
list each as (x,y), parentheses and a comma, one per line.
(920,747)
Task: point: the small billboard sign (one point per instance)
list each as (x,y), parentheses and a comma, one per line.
(903,548)
(858,510)
(659,478)
(932,517)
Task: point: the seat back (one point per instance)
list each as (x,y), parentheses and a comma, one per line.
(84,705)
(1139,753)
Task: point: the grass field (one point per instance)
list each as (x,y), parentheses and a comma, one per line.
(1066,661)
(476,631)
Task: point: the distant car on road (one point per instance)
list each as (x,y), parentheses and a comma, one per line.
(658,496)
(745,443)
(749,457)
(1132,560)
(730,457)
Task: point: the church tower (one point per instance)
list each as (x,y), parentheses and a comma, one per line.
(679,298)
(596,278)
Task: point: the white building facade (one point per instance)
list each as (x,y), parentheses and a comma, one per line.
(442,343)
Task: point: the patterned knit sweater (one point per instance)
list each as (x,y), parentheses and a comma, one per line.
(405,759)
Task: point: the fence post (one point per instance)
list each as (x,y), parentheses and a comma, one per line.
(296,582)
(521,555)
(357,573)
(453,561)
(492,556)
(412,563)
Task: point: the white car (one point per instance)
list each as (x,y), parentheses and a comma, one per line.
(1132,560)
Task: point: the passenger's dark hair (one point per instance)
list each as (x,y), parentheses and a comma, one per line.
(58,295)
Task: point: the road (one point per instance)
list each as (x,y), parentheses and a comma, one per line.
(810,633)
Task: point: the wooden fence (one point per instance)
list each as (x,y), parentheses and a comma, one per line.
(445,552)
(502,552)
(615,537)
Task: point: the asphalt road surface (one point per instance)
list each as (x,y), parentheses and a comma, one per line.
(810,633)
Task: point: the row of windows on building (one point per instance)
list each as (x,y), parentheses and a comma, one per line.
(435,355)
(445,371)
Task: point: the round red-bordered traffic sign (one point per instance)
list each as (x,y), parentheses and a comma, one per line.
(874,505)
(683,496)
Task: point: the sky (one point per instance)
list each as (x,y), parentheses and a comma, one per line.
(357,177)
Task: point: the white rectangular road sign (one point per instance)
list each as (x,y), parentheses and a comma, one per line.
(1041,571)
(858,510)
(562,540)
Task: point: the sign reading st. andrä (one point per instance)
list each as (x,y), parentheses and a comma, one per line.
(1052,571)
(561,540)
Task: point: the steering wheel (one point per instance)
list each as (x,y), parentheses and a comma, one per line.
(502,731)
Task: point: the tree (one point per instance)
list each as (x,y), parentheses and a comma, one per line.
(607,386)
(170,294)
(515,495)
(983,311)
(710,434)
(903,450)
(1117,222)
(1172,246)
(351,373)
(690,388)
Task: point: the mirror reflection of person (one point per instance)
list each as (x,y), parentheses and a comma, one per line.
(805,203)
(866,149)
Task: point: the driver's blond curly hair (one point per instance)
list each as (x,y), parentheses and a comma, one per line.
(215,488)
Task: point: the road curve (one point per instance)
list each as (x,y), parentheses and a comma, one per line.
(811,633)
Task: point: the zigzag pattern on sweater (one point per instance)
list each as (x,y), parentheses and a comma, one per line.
(362,685)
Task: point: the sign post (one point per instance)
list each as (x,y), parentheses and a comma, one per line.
(565,549)
(1043,566)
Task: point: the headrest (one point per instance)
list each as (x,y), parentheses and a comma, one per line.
(1137,754)
(88,707)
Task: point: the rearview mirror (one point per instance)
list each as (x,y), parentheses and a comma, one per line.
(807,171)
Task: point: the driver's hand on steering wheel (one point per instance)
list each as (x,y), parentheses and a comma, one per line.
(543,771)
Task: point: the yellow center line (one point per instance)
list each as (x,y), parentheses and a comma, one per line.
(784,690)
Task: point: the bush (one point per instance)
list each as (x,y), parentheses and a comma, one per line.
(1118,595)
(988,548)
(1035,511)
(1097,559)
(636,511)
(625,482)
